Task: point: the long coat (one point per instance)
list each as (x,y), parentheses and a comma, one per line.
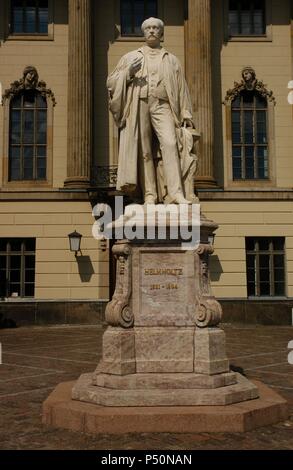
(124,97)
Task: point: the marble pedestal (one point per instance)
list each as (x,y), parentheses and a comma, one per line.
(163,346)
(164,366)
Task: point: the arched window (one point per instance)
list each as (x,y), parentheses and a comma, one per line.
(250,117)
(28,136)
(250,136)
(28,120)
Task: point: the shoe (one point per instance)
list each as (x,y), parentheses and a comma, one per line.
(180,199)
(150,200)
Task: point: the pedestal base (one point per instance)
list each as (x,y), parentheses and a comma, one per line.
(164,366)
(242,390)
(60,411)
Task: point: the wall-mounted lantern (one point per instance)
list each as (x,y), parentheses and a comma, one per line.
(211,239)
(75,241)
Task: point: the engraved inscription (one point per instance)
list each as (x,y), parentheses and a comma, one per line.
(168,287)
(164,272)
(163,283)
(164,288)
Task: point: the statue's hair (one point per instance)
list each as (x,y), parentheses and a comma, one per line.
(144,24)
(249,69)
(29,69)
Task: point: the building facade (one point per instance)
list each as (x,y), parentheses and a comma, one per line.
(59,148)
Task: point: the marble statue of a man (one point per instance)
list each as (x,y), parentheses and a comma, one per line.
(151,106)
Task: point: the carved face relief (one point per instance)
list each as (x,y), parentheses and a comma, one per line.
(121,265)
(249,82)
(29,81)
(30,78)
(248,75)
(204,268)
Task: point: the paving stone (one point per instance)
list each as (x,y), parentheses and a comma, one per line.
(37,359)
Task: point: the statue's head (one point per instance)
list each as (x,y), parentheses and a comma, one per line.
(30,77)
(248,75)
(153,30)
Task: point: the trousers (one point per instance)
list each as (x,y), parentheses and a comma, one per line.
(155,115)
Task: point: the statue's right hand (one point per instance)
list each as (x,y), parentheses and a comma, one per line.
(135,66)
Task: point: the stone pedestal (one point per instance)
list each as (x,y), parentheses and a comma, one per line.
(61,411)
(163,332)
(164,366)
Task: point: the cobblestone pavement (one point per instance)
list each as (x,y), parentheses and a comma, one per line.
(35,360)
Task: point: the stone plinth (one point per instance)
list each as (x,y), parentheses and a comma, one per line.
(60,411)
(163,332)
(163,348)
(154,395)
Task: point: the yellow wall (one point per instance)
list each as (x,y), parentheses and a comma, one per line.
(272,61)
(57,270)
(240,219)
(50,59)
(57,275)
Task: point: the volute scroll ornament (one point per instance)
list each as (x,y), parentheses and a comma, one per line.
(208,311)
(205,249)
(118,311)
(203,252)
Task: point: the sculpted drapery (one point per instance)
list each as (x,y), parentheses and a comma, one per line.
(124,95)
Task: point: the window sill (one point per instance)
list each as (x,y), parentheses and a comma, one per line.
(264,38)
(268,298)
(27,185)
(30,37)
(251,184)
